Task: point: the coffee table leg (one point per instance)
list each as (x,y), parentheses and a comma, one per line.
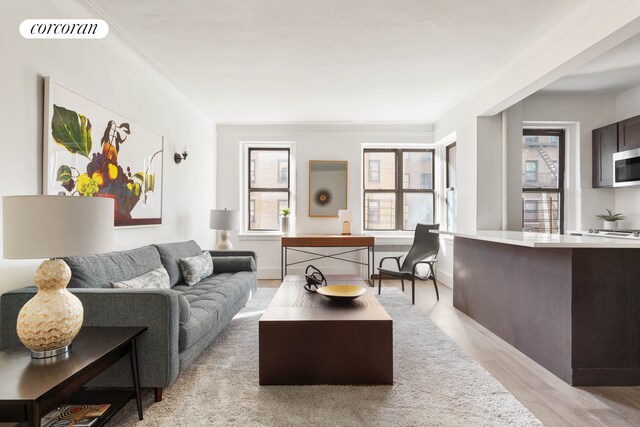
(33,414)
(133,356)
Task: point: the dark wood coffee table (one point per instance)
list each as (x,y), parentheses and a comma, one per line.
(304,338)
(30,388)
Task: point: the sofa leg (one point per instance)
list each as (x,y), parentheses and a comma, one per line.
(158,393)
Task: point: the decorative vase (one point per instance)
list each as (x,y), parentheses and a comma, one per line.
(610,225)
(50,320)
(284,224)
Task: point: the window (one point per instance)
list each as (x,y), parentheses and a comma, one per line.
(252,171)
(373,211)
(531,173)
(374,170)
(543,180)
(283,170)
(451,186)
(252,211)
(398,188)
(269,187)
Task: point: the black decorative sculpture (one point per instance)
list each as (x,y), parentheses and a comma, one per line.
(315,279)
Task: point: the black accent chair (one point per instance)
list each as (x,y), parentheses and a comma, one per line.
(424,251)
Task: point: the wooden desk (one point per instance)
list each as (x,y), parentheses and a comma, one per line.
(358,242)
(32,387)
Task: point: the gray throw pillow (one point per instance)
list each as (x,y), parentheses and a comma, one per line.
(158,278)
(196,268)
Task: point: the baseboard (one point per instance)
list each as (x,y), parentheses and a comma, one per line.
(583,377)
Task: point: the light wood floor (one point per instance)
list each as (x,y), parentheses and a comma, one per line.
(553,401)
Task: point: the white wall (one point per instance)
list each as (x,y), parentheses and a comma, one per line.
(111,73)
(312,142)
(627,200)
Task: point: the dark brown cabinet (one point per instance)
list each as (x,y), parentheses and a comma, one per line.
(604,144)
(629,134)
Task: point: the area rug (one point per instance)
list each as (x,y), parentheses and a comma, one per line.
(435,384)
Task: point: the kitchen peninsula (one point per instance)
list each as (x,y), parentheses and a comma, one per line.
(571,303)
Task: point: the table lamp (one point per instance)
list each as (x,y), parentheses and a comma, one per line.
(53,227)
(224,220)
(345,217)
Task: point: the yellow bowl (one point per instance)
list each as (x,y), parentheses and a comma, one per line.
(342,292)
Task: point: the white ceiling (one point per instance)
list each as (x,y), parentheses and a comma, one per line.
(612,72)
(329,60)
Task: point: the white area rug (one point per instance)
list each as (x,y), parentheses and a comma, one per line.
(435,384)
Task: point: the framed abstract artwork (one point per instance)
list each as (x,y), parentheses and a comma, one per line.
(92,151)
(327,187)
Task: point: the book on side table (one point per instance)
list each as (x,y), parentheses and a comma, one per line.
(74,415)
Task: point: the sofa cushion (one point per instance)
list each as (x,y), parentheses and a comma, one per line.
(230,264)
(158,278)
(210,300)
(171,253)
(98,271)
(196,268)
(184,307)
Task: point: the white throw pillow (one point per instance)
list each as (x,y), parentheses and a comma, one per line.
(196,268)
(158,278)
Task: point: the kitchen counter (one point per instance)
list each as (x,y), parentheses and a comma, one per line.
(571,303)
(541,240)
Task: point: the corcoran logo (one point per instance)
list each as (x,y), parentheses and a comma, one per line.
(64,29)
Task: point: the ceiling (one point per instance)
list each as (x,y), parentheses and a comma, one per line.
(612,72)
(329,60)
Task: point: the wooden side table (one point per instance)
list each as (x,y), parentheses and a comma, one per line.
(30,388)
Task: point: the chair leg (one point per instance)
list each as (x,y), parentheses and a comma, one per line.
(435,282)
(379,282)
(158,394)
(402,281)
(413,290)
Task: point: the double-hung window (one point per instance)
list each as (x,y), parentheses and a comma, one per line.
(543,180)
(398,188)
(269,187)
(450,186)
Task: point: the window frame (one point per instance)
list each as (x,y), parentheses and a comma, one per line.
(251,189)
(561,133)
(399,189)
(449,188)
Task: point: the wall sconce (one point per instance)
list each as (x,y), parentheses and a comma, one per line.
(180,157)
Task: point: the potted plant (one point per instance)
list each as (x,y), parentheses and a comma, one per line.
(284,220)
(610,220)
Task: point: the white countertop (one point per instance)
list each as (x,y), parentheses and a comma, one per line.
(541,240)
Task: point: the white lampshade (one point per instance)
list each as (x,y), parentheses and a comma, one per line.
(56,226)
(224,220)
(345,215)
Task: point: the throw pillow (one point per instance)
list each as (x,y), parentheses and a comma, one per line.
(158,278)
(196,268)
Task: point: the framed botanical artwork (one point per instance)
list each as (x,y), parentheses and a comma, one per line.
(92,151)
(327,187)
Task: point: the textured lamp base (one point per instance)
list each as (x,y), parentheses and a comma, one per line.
(50,320)
(224,244)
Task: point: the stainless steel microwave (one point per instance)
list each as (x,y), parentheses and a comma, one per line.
(626,168)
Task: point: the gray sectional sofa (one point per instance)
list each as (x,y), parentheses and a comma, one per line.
(181,321)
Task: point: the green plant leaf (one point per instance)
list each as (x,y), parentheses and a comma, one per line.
(71,130)
(64,174)
(149,182)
